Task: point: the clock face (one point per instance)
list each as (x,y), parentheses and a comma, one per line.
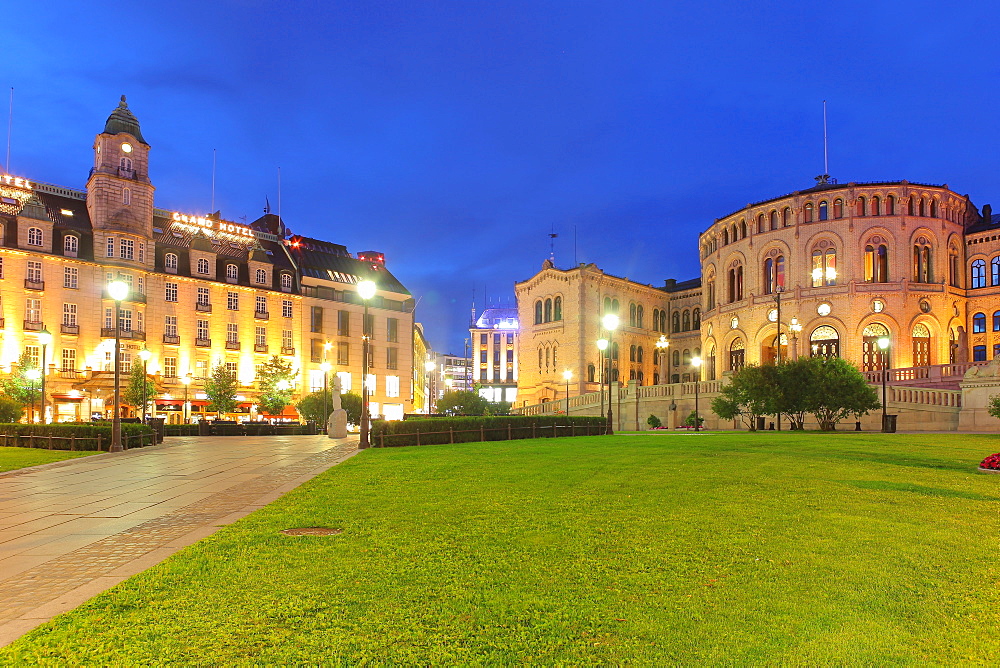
(772,315)
(878,305)
(735,322)
(823,309)
(126,147)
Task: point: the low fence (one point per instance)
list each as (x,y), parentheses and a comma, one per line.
(28,436)
(470,430)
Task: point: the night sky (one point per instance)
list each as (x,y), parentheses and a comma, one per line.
(454,136)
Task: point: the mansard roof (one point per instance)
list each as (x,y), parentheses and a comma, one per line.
(332,262)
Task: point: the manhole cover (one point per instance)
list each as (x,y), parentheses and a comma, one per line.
(311,531)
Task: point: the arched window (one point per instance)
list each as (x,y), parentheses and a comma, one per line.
(639,316)
(768,276)
(953,272)
(920,206)
(686,321)
(710,363)
(677,357)
(876,261)
(807,213)
(125,164)
(170,262)
(774,271)
(734,233)
(786,217)
(922,272)
(286,282)
(735,282)
(656,319)
(631,315)
(995,270)
(548,311)
(921,339)
(890,205)
(232,273)
(696,319)
(862,206)
(824,264)
(873,358)
(761,221)
(663,321)
(71,245)
(631,353)
(126,196)
(638,354)
(823,212)
(934,208)
(614,306)
(725,237)
(557,309)
(261,276)
(979,323)
(838,208)
(591,373)
(978,274)
(876,206)
(743,229)
(675,321)
(824,342)
(686,358)
(774,220)
(996,321)
(202,266)
(607,305)
(541,358)
(34,236)
(737,355)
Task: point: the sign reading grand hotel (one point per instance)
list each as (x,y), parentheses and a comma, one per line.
(16,181)
(211,224)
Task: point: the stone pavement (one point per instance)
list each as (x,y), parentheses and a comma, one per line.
(72,529)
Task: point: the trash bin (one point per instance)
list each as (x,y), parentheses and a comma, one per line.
(889,424)
(204,428)
(157,425)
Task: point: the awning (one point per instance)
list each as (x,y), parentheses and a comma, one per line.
(65,398)
(289,412)
(180,402)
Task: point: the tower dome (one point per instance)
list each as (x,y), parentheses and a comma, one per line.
(122,120)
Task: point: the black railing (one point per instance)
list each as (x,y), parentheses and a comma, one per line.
(70,329)
(33,285)
(203,343)
(203,308)
(171,339)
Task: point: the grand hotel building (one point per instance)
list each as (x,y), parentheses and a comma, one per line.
(824,271)
(204,292)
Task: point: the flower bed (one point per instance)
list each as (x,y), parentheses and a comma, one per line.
(991,463)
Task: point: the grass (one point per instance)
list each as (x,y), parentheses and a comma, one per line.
(729,548)
(19,458)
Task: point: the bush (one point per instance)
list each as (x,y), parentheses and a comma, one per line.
(992,462)
(70,435)
(10,410)
(471,429)
(180,430)
(693,420)
(654,422)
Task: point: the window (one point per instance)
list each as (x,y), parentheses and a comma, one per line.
(232,273)
(978,353)
(656,319)
(170,325)
(111,247)
(286,308)
(737,355)
(538,312)
(639,316)
(316,319)
(109,318)
(261,277)
(876,261)
(631,315)
(807,213)
(34,355)
(71,245)
(876,206)
(231,368)
(126,319)
(786,217)
(675,321)
(260,336)
(170,292)
(127,248)
(686,321)
(126,196)
(68,359)
(34,271)
(838,208)
(170,262)
(922,272)
(232,332)
(824,265)
(392,386)
(233,301)
(735,282)
(261,304)
(774,272)
(71,277)
(1,267)
(286,338)
(286,282)
(862,206)
(391,358)
(823,210)
(890,205)
(978,274)
(34,236)
(203,296)
(548,310)
(824,342)
(125,164)
(202,329)
(170,367)
(69,314)
(343,354)
(663,316)
(978,323)
(761,223)
(392,330)
(557,309)
(202,266)
(369,326)
(909,206)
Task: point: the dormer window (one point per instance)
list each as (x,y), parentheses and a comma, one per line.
(170,263)
(71,245)
(232,273)
(286,282)
(261,277)
(34,236)
(203,266)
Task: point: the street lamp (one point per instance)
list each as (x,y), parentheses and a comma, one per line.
(777,297)
(185,413)
(33,375)
(883,344)
(325,366)
(118,291)
(796,327)
(144,355)
(568,375)
(366,290)
(602,345)
(610,322)
(661,345)
(696,363)
(45,338)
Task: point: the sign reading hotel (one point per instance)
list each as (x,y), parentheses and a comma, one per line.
(218,226)
(16,181)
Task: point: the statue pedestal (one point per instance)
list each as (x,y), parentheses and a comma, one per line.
(336,426)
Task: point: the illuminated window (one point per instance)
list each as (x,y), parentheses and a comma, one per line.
(71,277)
(170,263)
(233,301)
(260,336)
(170,325)
(392,386)
(261,304)
(286,308)
(232,273)
(68,359)
(922,272)
(69,314)
(203,296)
(34,273)
(824,265)
(978,274)
(170,292)
(286,338)
(127,249)
(34,236)
(876,261)
(170,367)
(202,329)
(286,282)
(202,266)
(232,332)
(71,245)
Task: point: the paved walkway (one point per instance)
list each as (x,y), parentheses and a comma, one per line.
(73,529)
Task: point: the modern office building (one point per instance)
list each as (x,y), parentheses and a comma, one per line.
(494,353)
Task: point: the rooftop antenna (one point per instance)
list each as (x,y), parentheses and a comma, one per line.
(552,243)
(213,181)
(472,320)
(10,122)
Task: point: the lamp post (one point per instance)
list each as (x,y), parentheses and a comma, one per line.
(45,338)
(883,344)
(366,290)
(696,363)
(796,327)
(144,355)
(777,297)
(602,345)
(186,408)
(610,322)
(325,366)
(33,375)
(568,375)
(661,347)
(118,291)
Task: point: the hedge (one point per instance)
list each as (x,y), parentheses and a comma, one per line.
(240,429)
(180,430)
(434,431)
(72,435)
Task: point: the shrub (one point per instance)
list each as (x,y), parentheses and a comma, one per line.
(992,462)
(693,419)
(10,410)
(471,429)
(69,435)
(654,422)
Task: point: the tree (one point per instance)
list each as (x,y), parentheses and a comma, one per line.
(10,410)
(654,422)
(133,392)
(17,386)
(221,388)
(994,406)
(311,406)
(276,382)
(351,402)
(748,396)
(837,389)
(462,402)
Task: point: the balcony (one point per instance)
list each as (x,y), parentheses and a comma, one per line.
(261,315)
(172,339)
(203,343)
(203,308)
(287,350)
(32,326)
(133,296)
(260,347)
(232,345)
(133,334)
(33,285)
(70,329)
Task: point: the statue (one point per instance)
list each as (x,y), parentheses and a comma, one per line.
(337,391)
(336,423)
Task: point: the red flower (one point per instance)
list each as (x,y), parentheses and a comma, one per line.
(991,462)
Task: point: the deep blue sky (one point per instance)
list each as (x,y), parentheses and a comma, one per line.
(453,136)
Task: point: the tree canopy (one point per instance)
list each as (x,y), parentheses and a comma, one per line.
(132,394)
(275,394)
(221,388)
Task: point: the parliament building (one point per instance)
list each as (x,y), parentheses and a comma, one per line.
(204,292)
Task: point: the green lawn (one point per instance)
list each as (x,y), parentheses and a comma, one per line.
(19,458)
(733,548)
